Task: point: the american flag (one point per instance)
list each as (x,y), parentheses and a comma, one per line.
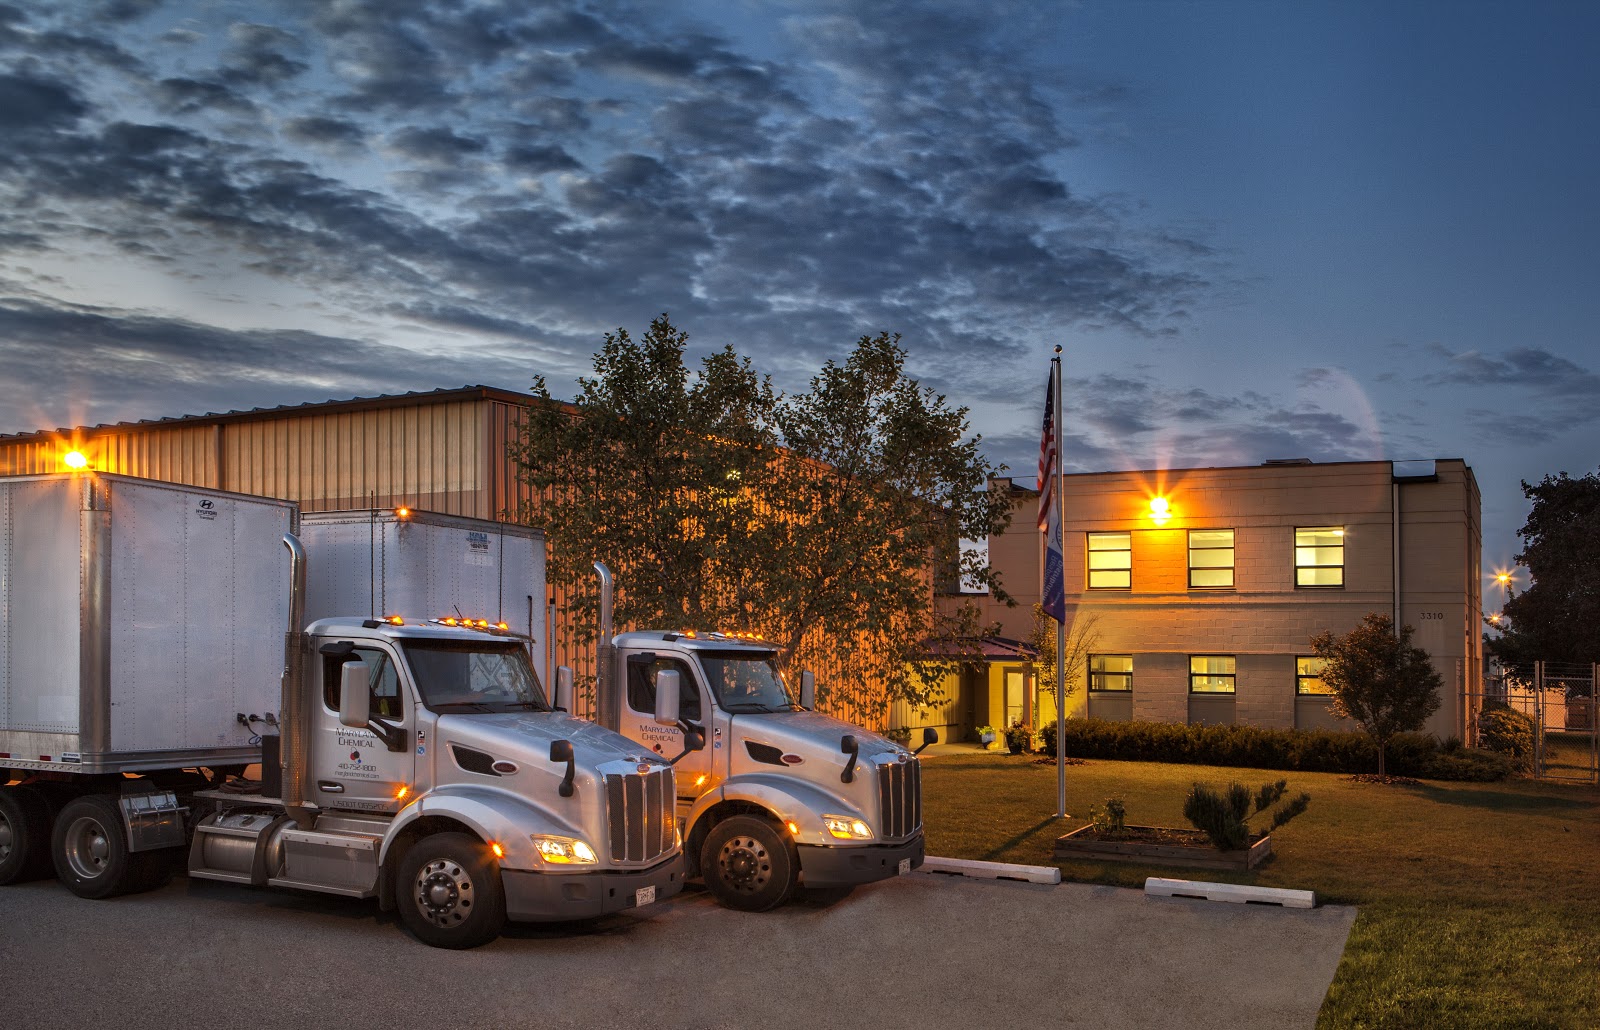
(1047,456)
(1052,579)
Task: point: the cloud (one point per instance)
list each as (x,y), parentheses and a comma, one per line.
(1520,366)
(28,104)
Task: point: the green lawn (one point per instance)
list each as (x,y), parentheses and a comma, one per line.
(1479,903)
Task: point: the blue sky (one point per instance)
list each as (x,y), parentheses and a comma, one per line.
(1259,230)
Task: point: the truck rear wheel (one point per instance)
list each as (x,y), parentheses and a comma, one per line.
(449,893)
(24,835)
(748,864)
(90,850)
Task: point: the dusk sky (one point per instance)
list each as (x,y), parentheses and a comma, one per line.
(1259,230)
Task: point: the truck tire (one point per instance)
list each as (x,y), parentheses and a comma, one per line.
(24,835)
(448,891)
(90,850)
(749,864)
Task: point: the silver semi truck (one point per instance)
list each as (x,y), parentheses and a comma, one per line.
(779,795)
(152,642)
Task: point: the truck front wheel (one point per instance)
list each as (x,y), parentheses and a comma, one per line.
(448,892)
(24,835)
(749,864)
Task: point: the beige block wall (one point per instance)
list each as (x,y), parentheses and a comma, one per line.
(1263,620)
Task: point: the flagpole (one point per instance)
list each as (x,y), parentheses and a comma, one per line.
(1061,626)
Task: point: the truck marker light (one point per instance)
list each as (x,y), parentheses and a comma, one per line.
(400,795)
(449,621)
(700,781)
(499,852)
(794,831)
(501,626)
(483,622)
(395,620)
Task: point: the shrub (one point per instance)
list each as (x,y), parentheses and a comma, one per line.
(1224,817)
(1019,737)
(1508,732)
(1410,754)
(900,735)
(1110,819)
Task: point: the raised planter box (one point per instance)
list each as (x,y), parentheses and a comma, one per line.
(1082,843)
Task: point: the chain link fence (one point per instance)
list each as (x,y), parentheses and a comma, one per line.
(1559,699)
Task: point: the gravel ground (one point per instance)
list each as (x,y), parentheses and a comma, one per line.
(920,951)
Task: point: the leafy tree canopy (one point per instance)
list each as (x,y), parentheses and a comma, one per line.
(1378,678)
(824,520)
(1558,617)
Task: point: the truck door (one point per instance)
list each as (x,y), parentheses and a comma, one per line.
(351,768)
(694,772)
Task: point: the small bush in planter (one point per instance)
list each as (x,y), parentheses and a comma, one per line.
(900,735)
(1113,818)
(1224,816)
(1019,739)
(986,735)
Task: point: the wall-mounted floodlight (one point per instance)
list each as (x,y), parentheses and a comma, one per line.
(1160,510)
(75,460)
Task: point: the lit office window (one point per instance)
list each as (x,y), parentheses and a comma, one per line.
(1110,561)
(1211,674)
(1308,676)
(1110,672)
(1211,557)
(1319,557)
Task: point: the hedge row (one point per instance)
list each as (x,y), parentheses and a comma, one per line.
(1410,754)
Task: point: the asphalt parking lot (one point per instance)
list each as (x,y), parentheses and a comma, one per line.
(920,951)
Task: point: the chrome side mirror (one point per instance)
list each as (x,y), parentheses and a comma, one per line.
(355,696)
(667,697)
(808,690)
(563,699)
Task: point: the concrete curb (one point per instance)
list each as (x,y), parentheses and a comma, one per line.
(1233,893)
(991,870)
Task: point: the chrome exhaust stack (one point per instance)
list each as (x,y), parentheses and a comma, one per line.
(607,705)
(294,713)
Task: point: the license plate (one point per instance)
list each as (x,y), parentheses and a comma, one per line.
(905,866)
(644,896)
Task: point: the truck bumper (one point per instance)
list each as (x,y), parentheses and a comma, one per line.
(555,897)
(822,866)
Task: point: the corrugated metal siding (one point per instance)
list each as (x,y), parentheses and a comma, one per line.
(427,456)
(184,455)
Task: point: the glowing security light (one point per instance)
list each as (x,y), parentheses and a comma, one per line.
(1495,618)
(1503,578)
(1160,510)
(402,512)
(75,460)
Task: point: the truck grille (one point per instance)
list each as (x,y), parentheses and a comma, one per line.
(641,812)
(900,795)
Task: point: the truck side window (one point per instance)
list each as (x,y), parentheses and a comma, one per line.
(381,676)
(642,688)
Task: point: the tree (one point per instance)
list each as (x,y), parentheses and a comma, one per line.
(1379,679)
(1558,617)
(1082,638)
(824,521)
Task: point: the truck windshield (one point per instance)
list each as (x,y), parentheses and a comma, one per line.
(474,677)
(745,681)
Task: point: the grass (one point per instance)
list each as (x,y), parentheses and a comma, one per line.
(1479,904)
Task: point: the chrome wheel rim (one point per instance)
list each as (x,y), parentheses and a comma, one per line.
(88,847)
(444,893)
(745,864)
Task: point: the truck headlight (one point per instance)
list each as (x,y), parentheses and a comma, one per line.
(846,828)
(563,850)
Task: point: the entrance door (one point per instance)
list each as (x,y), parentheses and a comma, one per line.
(352,768)
(1014,687)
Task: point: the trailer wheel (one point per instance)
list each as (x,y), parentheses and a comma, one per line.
(448,892)
(24,835)
(748,864)
(90,849)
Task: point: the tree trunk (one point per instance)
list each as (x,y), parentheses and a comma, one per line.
(1381,749)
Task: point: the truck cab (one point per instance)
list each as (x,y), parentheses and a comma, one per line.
(779,795)
(440,777)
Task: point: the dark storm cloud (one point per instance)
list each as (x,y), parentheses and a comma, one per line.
(334,133)
(905,177)
(126,366)
(187,96)
(1520,366)
(28,103)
